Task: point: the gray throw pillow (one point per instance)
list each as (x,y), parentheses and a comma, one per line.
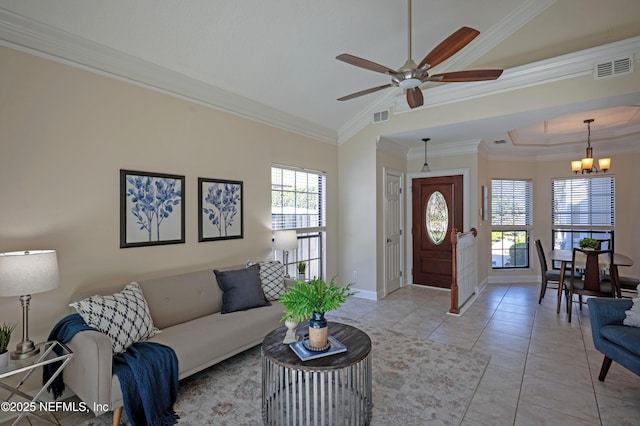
(241,289)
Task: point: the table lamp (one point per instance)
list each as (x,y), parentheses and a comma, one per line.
(285,241)
(23,273)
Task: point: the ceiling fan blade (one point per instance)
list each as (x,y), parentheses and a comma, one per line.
(449,46)
(364,92)
(469,75)
(364,63)
(414,97)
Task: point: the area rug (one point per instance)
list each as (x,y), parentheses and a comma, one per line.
(415,382)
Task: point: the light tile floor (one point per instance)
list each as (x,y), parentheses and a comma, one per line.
(543,370)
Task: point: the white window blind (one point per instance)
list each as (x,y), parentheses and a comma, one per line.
(510,203)
(297,198)
(580,202)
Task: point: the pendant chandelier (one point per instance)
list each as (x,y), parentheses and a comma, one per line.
(586,164)
(425,166)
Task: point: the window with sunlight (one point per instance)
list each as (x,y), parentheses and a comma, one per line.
(582,207)
(298,201)
(510,223)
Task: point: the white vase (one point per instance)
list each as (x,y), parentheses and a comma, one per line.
(4,359)
(290,337)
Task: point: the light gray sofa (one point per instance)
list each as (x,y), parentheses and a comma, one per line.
(186,308)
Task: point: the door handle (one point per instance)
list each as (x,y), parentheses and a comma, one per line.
(388,240)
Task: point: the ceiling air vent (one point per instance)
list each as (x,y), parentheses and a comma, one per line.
(380,116)
(614,67)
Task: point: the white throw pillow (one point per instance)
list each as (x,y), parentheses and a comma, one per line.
(633,314)
(124,316)
(272,279)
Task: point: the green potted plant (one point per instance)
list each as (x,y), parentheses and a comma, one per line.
(312,300)
(5,336)
(302,267)
(589,243)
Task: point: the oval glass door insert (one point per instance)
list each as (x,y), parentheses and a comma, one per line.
(437,217)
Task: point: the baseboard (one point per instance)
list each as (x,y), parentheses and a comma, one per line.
(365,294)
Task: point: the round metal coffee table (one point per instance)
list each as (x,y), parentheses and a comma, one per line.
(332,390)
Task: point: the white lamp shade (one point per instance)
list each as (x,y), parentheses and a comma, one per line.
(28,272)
(285,240)
(604,163)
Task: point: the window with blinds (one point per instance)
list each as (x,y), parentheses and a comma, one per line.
(582,207)
(583,202)
(511,213)
(298,201)
(510,202)
(297,198)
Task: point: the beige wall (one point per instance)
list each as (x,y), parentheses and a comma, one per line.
(64,135)
(357,213)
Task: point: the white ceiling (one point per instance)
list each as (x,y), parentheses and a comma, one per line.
(274,61)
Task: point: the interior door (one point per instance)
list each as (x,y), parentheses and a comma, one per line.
(393,230)
(436,210)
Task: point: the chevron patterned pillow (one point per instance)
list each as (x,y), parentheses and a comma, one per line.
(272,279)
(124,316)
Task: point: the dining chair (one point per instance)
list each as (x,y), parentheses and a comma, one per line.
(589,281)
(546,275)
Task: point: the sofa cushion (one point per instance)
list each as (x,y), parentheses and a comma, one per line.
(621,335)
(241,289)
(633,315)
(183,297)
(272,279)
(208,340)
(123,316)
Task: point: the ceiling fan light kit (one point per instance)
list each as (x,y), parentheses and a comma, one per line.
(586,164)
(411,76)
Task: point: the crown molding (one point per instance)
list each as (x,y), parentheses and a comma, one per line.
(626,145)
(27,35)
(563,67)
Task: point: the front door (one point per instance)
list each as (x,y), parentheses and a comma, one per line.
(437,210)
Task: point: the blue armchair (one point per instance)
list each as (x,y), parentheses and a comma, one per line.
(618,342)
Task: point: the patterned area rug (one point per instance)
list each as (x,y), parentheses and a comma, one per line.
(415,382)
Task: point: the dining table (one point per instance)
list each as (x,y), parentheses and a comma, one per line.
(565,258)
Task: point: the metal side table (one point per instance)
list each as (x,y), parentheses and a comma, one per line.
(50,352)
(333,390)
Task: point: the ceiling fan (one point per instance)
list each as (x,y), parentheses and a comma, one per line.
(410,76)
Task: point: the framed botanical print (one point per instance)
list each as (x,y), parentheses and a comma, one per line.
(151,209)
(220,204)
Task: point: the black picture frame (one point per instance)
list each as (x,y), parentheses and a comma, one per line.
(220,209)
(152,209)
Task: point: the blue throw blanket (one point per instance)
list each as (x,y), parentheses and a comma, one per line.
(148,375)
